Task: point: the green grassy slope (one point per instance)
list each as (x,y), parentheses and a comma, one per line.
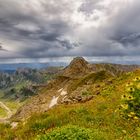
(103,117)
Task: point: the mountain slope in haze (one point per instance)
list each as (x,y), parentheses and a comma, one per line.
(26,74)
(23,77)
(18,86)
(14,66)
(99,101)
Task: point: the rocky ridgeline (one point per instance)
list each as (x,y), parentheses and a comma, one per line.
(80,67)
(77,99)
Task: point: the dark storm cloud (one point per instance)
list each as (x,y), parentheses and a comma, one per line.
(2,48)
(48,28)
(49,36)
(36,32)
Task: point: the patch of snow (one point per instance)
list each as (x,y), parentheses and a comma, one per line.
(64,98)
(63,93)
(53,101)
(60,90)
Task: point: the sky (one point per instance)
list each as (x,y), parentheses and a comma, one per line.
(58,30)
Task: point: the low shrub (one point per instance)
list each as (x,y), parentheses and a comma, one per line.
(72,132)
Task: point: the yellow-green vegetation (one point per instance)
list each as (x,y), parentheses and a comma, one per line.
(72,132)
(3,113)
(92,78)
(105,117)
(130,107)
(13,105)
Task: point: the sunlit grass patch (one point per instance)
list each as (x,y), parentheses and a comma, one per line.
(3,113)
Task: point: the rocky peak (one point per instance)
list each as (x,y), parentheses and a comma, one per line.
(79,61)
(78,66)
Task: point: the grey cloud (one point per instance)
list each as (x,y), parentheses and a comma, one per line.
(44,28)
(48,29)
(88,6)
(119,36)
(2,48)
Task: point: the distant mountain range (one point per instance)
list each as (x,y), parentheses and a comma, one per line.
(12,67)
(21,83)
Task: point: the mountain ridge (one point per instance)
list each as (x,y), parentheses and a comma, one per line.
(101,97)
(73,78)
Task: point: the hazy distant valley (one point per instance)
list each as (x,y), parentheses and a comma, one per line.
(13,80)
(17,85)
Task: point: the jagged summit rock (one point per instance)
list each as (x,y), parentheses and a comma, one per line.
(78,66)
(78,60)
